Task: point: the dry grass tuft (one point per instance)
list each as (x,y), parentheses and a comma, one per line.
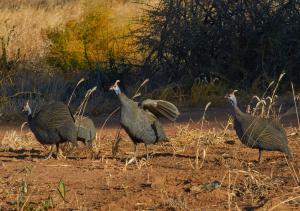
(266,105)
(252,187)
(14,140)
(188,135)
(29,23)
(175,202)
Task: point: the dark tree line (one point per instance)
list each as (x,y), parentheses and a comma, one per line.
(240,41)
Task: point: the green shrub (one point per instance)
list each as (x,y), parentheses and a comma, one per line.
(207,91)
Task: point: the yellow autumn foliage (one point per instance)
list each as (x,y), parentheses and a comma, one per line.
(100,36)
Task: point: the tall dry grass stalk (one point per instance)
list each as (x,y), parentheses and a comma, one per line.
(283,202)
(272,99)
(266,104)
(199,139)
(229,194)
(84,102)
(293,172)
(79,82)
(295,103)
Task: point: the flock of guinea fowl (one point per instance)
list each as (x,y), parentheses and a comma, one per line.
(54,124)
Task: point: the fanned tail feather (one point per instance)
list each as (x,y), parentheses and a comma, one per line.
(167,109)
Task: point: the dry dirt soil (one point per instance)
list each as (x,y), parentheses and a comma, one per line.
(227,176)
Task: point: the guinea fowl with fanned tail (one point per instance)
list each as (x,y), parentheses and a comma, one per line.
(140,120)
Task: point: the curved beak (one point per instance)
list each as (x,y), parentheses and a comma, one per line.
(115,84)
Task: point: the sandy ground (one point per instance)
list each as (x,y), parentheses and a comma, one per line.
(169,180)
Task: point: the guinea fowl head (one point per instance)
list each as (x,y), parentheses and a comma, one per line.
(27,108)
(115,87)
(231,98)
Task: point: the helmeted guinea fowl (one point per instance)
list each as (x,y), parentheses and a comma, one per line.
(257,132)
(53,124)
(140,120)
(86,131)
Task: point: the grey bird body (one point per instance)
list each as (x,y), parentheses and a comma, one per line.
(141,125)
(86,131)
(140,121)
(259,133)
(53,124)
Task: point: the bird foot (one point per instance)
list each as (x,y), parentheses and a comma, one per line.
(149,155)
(60,156)
(132,160)
(49,157)
(50,154)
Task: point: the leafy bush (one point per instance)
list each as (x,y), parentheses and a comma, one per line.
(238,41)
(204,91)
(99,37)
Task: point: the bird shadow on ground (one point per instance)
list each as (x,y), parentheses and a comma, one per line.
(21,151)
(23,157)
(79,158)
(22,154)
(152,155)
(168,154)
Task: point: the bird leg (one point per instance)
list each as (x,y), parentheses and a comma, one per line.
(134,155)
(146,148)
(259,156)
(50,153)
(59,153)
